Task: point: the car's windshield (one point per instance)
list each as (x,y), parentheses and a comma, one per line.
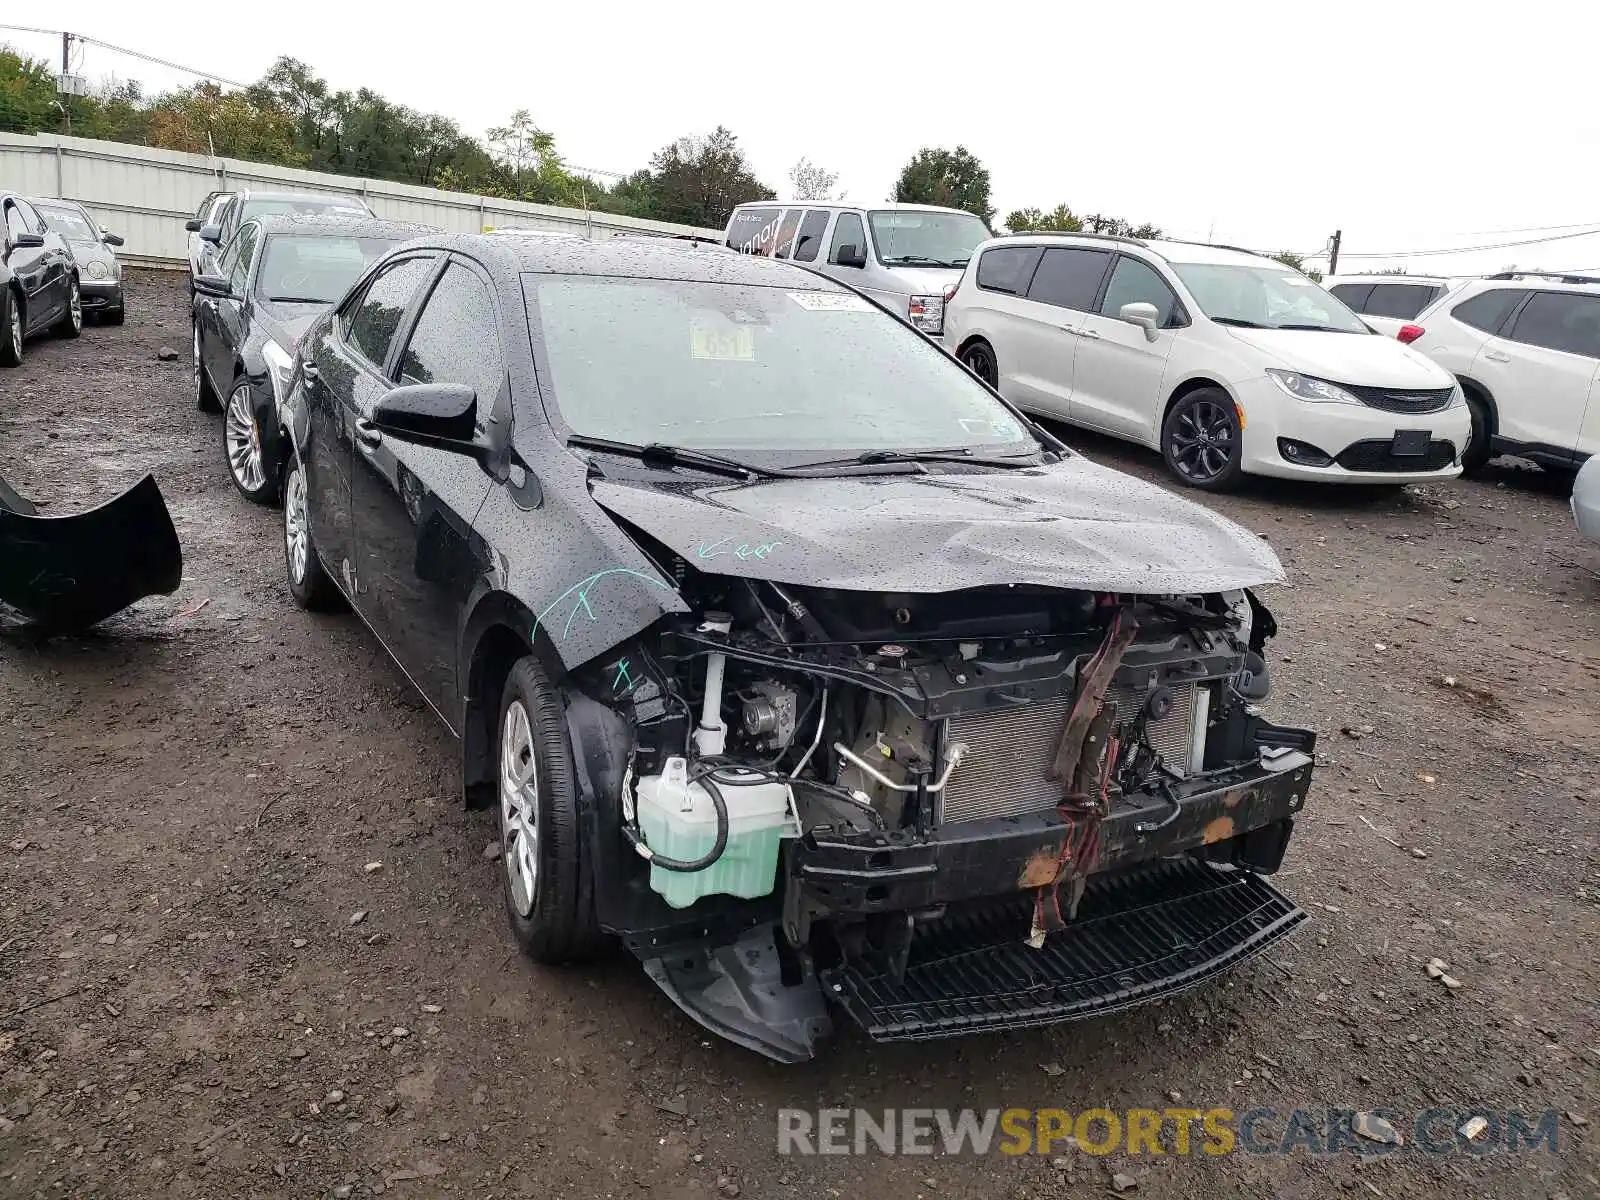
(907,237)
(314,270)
(716,366)
(69,223)
(1267,297)
(301,205)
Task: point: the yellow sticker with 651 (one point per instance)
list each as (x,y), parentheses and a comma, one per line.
(729,344)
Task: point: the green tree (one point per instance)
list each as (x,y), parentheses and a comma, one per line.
(952,178)
(1298,262)
(27,94)
(1060,219)
(808,181)
(697,180)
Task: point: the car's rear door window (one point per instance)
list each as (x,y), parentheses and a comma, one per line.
(375,317)
(1399,300)
(1564,321)
(1487,311)
(1007,268)
(786,232)
(809,243)
(753,230)
(1069,277)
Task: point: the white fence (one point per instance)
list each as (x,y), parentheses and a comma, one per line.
(146,194)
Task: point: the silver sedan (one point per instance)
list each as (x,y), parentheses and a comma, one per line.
(1586,499)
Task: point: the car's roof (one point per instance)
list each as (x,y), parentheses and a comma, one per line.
(887,206)
(1431,280)
(338,225)
(54,202)
(632,258)
(301,197)
(1173,252)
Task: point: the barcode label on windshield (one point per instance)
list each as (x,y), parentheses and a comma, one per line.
(830,302)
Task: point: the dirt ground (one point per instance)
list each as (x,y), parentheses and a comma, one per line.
(209,988)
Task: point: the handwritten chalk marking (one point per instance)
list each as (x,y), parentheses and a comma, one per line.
(582,589)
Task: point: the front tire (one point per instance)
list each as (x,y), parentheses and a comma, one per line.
(309,584)
(1202,442)
(978,357)
(205,396)
(545,876)
(71,323)
(10,329)
(1477,453)
(242,449)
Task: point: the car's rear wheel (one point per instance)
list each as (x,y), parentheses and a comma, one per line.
(248,467)
(309,584)
(1201,441)
(978,357)
(205,396)
(545,878)
(71,323)
(10,329)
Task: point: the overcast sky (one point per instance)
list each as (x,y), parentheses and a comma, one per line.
(1407,125)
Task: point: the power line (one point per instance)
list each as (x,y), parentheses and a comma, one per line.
(139,54)
(1589,232)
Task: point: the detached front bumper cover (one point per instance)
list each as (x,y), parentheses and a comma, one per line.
(64,574)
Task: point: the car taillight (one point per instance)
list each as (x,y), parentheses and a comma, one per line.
(1410,333)
(950,292)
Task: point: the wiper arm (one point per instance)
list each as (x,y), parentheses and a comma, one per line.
(1240,322)
(1317,328)
(923,259)
(297,300)
(959,454)
(662,455)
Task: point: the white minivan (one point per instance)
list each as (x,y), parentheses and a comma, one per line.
(1228,362)
(905,256)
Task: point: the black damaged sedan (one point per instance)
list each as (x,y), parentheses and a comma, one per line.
(273,278)
(788,654)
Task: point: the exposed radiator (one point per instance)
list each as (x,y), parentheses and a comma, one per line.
(1010,750)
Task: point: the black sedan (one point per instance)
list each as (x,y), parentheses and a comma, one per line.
(38,279)
(99,272)
(273,279)
(788,652)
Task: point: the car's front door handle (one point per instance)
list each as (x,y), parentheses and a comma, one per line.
(1088,333)
(368,434)
(1496,356)
(1072,329)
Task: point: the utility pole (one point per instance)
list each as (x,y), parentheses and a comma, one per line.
(1333,255)
(66,70)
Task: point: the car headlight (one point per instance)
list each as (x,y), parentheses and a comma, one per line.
(280,368)
(97,270)
(1458,398)
(927,313)
(1307,387)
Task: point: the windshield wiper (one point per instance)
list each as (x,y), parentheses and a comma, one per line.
(1318,328)
(1241,323)
(958,454)
(297,300)
(659,454)
(921,260)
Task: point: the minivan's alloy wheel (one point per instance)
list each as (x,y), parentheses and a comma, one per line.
(519,808)
(309,584)
(241,438)
(1200,440)
(71,323)
(545,873)
(11,342)
(979,359)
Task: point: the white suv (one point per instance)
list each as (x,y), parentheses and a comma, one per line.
(1526,349)
(1227,361)
(1389,303)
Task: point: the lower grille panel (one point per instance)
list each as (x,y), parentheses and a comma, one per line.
(1144,936)
(1377,455)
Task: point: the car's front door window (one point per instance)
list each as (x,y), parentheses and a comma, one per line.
(372,323)
(455,341)
(1135,282)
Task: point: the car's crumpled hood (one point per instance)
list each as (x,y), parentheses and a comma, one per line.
(1071,524)
(1370,360)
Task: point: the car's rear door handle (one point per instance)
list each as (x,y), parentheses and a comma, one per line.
(1072,329)
(368,434)
(1496,356)
(1088,333)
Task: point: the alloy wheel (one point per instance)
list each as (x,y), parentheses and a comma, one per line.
(15,330)
(75,307)
(980,361)
(296,532)
(519,807)
(1202,440)
(243,440)
(197,387)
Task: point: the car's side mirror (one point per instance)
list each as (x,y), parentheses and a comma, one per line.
(27,241)
(443,415)
(1143,314)
(213,285)
(192,224)
(111,239)
(850,255)
(211,233)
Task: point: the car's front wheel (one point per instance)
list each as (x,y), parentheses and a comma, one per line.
(248,466)
(205,396)
(71,323)
(10,329)
(546,875)
(1202,441)
(978,357)
(1477,452)
(309,584)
